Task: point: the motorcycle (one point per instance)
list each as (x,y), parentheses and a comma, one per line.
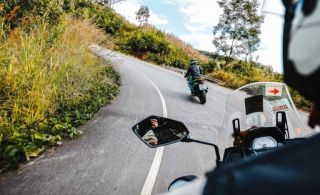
(200,89)
(259,118)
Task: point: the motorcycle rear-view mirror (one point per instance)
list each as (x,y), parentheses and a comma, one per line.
(156,131)
(181,181)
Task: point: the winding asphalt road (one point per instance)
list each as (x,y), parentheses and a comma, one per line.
(109,158)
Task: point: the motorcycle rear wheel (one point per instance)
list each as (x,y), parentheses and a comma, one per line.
(202,96)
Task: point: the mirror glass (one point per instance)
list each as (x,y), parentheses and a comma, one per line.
(156,131)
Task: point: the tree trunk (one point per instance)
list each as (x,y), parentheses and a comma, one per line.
(231,51)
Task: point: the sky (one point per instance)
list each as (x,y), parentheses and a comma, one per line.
(193,21)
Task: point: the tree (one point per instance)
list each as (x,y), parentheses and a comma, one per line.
(143,14)
(238,30)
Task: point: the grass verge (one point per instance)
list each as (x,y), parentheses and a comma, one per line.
(50,83)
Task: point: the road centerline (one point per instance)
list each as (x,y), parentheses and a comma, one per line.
(153,172)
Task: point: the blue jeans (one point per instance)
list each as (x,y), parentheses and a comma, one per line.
(190,84)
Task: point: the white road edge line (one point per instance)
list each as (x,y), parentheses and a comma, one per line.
(152,175)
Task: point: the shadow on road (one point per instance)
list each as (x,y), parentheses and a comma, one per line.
(189,98)
(193,99)
(172,94)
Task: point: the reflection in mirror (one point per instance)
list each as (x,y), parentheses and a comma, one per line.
(157,131)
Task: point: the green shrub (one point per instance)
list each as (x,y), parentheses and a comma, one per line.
(48,10)
(210,67)
(300,101)
(229,79)
(102,16)
(140,42)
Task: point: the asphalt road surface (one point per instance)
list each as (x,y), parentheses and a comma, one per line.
(109,158)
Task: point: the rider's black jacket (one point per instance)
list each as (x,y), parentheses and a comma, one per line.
(164,135)
(195,71)
(291,170)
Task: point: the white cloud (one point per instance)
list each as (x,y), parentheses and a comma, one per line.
(128,9)
(170,2)
(270,52)
(201,12)
(201,16)
(157,19)
(199,40)
(195,28)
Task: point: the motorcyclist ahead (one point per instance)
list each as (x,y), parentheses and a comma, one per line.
(293,169)
(194,72)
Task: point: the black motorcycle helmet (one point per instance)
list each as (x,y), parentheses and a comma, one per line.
(301,48)
(194,61)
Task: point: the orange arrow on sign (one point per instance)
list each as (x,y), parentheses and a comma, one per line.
(274,91)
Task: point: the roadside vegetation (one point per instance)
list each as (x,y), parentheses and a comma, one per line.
(50,82)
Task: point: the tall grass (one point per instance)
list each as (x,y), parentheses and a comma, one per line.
(186,48)
(44,72)
(44,68)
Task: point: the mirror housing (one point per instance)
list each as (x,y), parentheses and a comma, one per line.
(181,181)
(156,131)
